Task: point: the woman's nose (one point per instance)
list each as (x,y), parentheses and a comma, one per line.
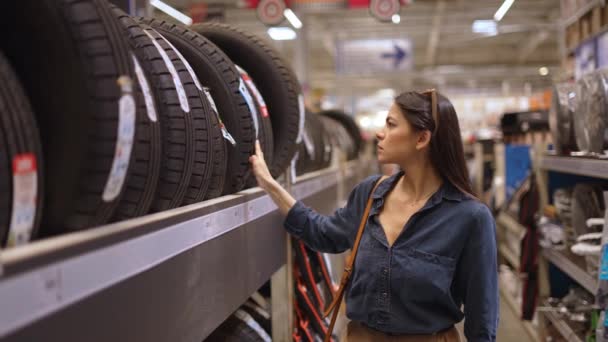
(380,135)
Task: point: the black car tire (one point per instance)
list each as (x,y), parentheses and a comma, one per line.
(275,80)
(82,97)
(217,72)
(20,204)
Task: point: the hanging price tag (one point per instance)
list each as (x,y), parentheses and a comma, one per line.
(227,135)
(223,128)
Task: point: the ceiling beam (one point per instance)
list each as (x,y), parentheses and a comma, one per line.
(530,45)
(434,35)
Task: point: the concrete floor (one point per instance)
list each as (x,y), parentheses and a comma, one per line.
(510,327)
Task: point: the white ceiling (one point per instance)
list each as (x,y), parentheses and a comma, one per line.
(447,54)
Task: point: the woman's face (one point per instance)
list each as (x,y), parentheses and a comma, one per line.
(398,142)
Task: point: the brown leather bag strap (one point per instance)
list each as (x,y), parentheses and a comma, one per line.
(335,304)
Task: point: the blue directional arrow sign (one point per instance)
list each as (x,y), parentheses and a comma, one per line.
(370,56)
(397,56)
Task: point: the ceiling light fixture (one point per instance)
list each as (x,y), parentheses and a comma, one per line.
(292,18)
(181,17)
(543,71)
(503,10)
(282,33)
(485,27)
(396,18)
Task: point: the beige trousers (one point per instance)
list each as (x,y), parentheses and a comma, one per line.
(358,332)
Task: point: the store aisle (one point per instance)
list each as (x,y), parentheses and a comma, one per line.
(510,327)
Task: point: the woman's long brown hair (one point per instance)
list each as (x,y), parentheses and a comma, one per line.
(446,150)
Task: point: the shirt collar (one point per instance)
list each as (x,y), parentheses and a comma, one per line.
(447,190)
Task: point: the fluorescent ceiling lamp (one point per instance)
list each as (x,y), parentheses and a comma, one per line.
(543,71)
(486,27)
(282,33)
(171,11)
(396,18)
(292,18)
(503,10)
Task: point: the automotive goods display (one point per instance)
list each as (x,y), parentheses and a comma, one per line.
(275,81)
(218,73)
(82,97)
(591,117)
(561,115)
(140,186)
(21,164)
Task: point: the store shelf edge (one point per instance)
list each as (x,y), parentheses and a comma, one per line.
(573,270)
(563,327)
(597,168)
(44,284)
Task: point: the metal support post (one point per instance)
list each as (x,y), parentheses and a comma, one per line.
(282,287)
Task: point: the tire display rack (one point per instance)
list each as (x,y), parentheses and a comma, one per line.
(169,276)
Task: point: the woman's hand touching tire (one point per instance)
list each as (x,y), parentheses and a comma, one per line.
(280,196)
(260,169)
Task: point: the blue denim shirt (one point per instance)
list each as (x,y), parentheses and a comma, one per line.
(444,258)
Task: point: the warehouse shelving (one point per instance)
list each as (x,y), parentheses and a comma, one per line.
(167,276)
(575,165)
(578,274)
(510,223)
(560,324)
(509,255)
(584,9)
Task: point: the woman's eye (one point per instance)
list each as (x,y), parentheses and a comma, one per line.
(390,124)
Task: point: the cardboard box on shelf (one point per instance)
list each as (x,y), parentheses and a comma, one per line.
(573,35)
(596,20)
(585,27)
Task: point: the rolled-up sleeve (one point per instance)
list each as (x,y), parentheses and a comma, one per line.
(480,279)
(330,234)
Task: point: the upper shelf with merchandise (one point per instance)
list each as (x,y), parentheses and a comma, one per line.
(597,168)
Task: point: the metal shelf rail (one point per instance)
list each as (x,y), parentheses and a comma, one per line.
(511,224)
(169,276)
(575,165)
(509,255)
(561,326)
(573,270)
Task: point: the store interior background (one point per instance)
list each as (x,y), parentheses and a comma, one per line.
(488,63)
(499,62)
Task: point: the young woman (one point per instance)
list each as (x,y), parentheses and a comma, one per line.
(429,245)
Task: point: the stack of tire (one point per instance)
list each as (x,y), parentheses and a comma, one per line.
(324,133)
(579,115)
(250,323)
(105,117)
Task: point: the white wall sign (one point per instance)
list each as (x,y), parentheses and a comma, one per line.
(364,56)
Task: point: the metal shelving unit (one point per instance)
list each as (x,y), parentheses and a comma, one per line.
(582,166)
(168,276)
(563,327)
(573,270)
(509,255)
(597,168)
(510,223)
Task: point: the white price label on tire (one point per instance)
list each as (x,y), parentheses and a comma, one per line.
(25,193)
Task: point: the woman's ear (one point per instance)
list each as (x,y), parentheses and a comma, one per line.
(424,139)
